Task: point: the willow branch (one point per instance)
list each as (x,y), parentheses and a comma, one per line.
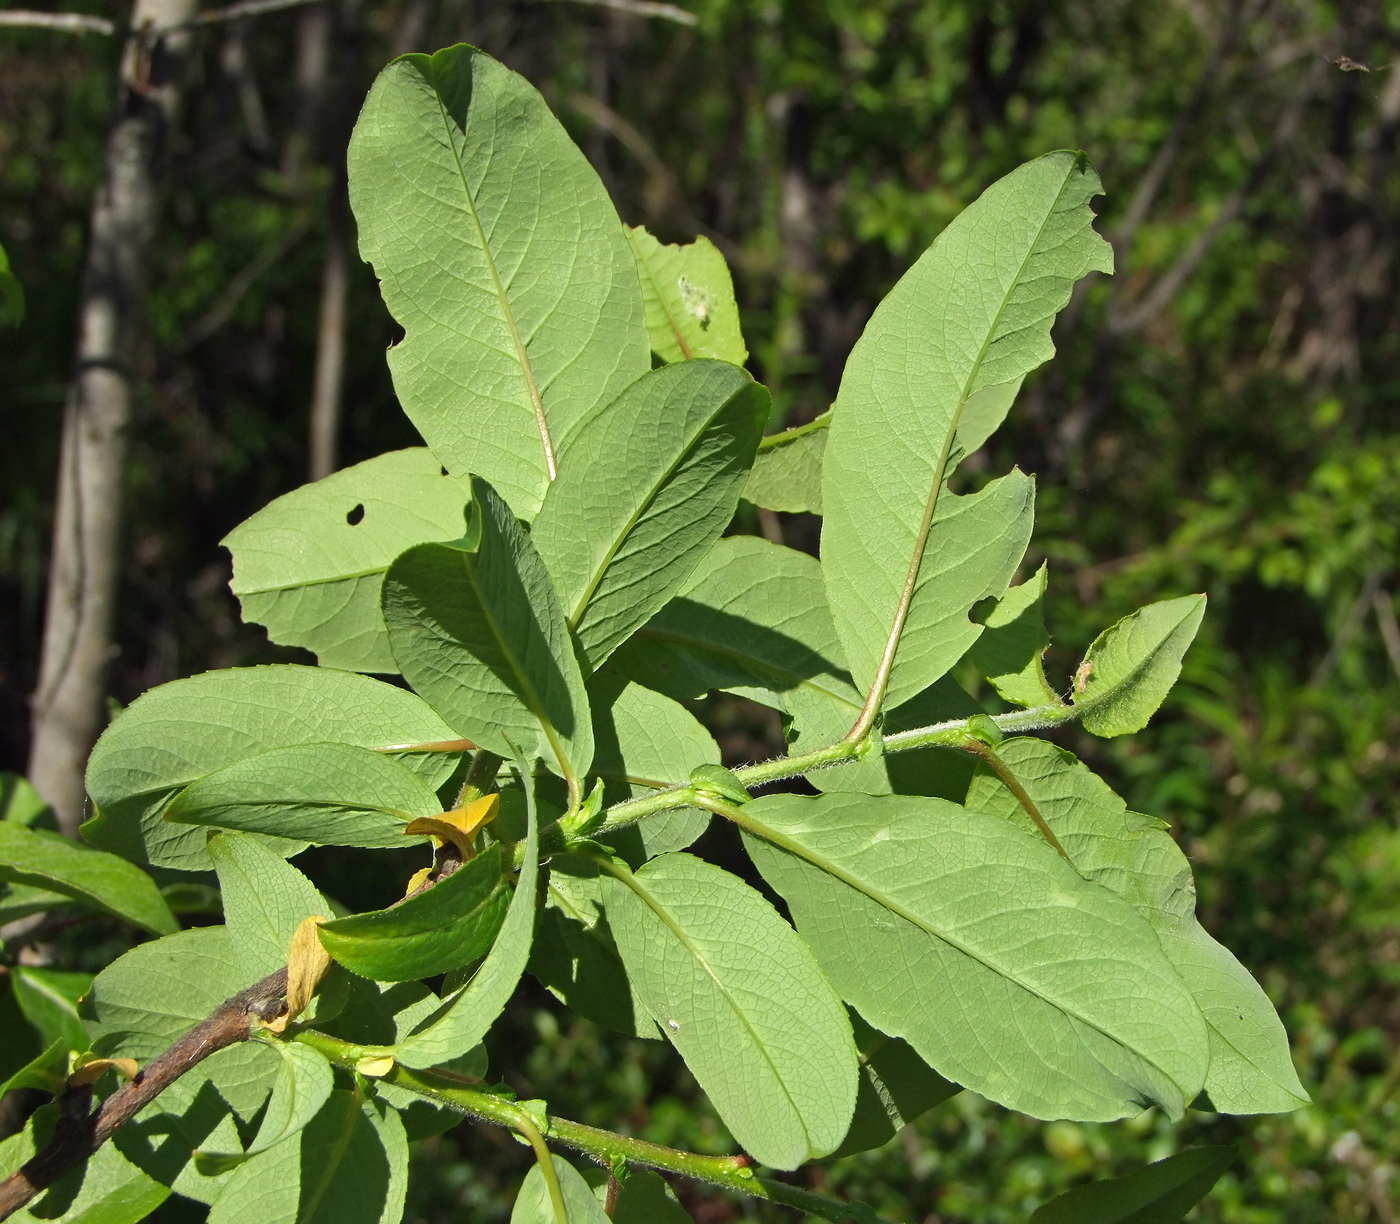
(732,1173)
(81,1130)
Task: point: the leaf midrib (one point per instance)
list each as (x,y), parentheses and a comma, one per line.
(662,912)
(644,505)
(822,863)
(522,356)
(532,698)
(911,580)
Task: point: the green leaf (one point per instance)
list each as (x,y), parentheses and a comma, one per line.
(533,1204)
(655,482)
(751,620)
(265,900)
(302,1087)
(646,742)
(49,1000)
(1251,1070)
(740,996)
(11,294)
(575,956)
(450,924)
(310,564)
(1131,667)
(477,630)
(1009,651)
(689,299)
(896,1086)
(107,1189)
(645,1198)
(465,1015)
(500,254)
(1162,1193)
(22,1043)
(933,374)
(787,472)
(21,803)
(348,1165)
(177,733)
(47,1071)
(924,913)
(160,990)
(326,794)
(51,861)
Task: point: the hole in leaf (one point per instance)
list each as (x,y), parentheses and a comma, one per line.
(355,515)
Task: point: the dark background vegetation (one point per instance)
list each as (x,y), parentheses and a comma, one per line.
(1222,417)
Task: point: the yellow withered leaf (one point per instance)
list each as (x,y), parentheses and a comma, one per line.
(459,826)
(307,962)
(88,1069)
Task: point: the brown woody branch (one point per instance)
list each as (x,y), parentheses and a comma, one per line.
(81,1130)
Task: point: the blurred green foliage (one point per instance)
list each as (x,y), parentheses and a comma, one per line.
(1221,418)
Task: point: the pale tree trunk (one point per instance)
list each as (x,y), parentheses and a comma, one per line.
(85,563)
(326,79)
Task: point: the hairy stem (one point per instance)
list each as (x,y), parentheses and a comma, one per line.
(951,734)
(732,1173)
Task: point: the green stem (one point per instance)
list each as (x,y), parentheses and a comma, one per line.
(1013,784)
(949,734)
(545,1159)
(731,1173)
(480,777)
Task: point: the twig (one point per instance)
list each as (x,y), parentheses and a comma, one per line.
(1346,630)
(69,23)
(646,8)
(81,23)
(1390,631)
(80,1130)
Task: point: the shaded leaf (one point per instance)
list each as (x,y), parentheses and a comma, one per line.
(326,794)
(348,1165)
(177,733)
(1162,1193)
(1131,666)
(1014,638)
(302,1087)
(646,1198)
(310,564)
(923,913)
(464,1016)
(11,294)
(50,861)
(656,480)
(501,256)
(534,1206)
(450,924)
(689,299)
(160,990)
(1251,1069)
(787,471)
(896,1086)
(107,1189)
(49,1000)
(930,378)
(646,741)
(20,802)
(740,996)
(576,957)
(751,620)
(478,631)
